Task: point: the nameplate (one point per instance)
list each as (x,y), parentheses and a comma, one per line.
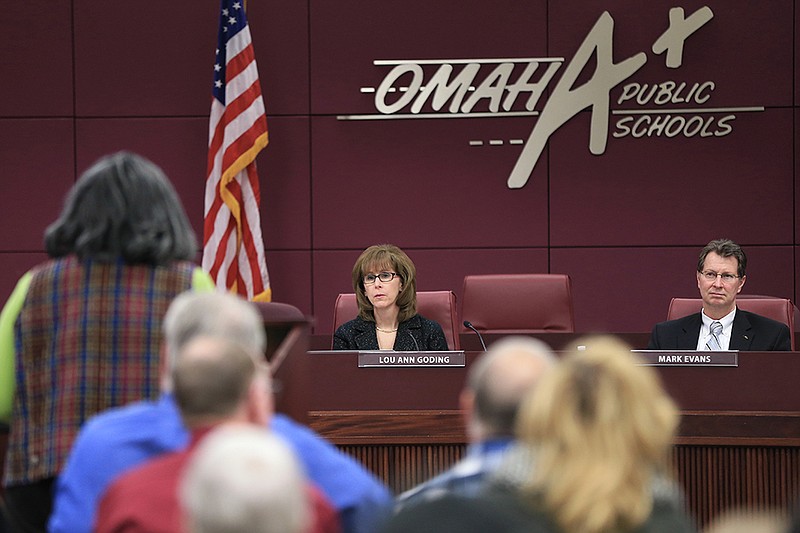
(688,357)
(386,358)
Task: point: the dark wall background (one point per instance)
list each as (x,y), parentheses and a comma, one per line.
(80,80)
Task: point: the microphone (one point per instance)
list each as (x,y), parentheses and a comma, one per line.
(413,339)
(468,324)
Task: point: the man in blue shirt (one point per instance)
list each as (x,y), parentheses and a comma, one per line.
(119,439)
(496,384)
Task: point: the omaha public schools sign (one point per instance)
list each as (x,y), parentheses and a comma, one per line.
(464,88)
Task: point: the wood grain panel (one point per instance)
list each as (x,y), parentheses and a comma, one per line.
(723,460)
(722,478)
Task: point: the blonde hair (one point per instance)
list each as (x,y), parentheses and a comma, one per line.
(386,256)
(601,427)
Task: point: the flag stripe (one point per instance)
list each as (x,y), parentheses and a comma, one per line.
(233,246)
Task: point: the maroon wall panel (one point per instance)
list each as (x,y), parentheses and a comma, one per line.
(428,191)
(38,169)
(675,190)
(629,289)
(796,58)
(285,174)
(796,262)
(626,224)
(144,60)
(36,59)
(14,266)
(744,48)
(349,35)
(177,145)
(138,60)
(796,176)
(291,279)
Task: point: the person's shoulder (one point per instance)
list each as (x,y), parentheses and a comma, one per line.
(129,424)
(424,323)
(357,324)
(111,419)
(50,267)
(677,322)
(180,266)
(761,320)
(153,471)
(109,422)
(667,516)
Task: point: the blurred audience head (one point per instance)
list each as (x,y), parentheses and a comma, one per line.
(241,479)
(386,258)
(499,380)
(601,428)
(123,207)
(214,314)
(216,380)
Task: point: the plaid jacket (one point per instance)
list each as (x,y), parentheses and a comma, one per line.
(87,338)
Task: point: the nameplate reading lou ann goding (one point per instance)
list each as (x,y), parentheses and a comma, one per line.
(386,358)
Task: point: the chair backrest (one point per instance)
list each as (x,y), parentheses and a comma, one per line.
(518,303)
(439,306)
(288,338)
(780,309)
(285,326)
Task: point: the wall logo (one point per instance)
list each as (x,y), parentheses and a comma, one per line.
(512,87)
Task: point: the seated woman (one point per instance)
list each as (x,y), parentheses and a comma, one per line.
(595,441)
(384,280)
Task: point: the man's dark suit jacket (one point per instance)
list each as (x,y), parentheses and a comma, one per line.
(751,332)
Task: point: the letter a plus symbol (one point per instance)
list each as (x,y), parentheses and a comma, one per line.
(680,28)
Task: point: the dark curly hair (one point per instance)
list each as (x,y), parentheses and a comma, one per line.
(122,207)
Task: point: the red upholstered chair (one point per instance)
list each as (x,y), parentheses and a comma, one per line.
(780,309)
(439,306)
(518,303)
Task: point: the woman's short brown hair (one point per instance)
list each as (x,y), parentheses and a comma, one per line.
(388,257)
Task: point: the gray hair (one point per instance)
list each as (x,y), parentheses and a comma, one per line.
(242,479)
(724,248)
(213,314)
(501,378)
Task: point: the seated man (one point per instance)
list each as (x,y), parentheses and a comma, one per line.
(720,325)
(119,439)
(496,384)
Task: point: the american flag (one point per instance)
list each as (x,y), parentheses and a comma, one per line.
(233,249)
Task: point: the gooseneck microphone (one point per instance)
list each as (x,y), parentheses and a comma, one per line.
(413,339)
(468,324)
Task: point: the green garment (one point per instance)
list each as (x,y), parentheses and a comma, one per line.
(201,282)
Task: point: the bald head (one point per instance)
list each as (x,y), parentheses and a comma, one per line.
(216,380)
(498,382)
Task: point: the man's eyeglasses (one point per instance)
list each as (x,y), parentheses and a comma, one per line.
(710,275)
(385,277)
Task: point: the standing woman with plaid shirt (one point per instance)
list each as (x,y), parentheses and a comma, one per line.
(81,332)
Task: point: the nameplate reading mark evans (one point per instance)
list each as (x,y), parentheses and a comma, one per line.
(688,358)
(375,359)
